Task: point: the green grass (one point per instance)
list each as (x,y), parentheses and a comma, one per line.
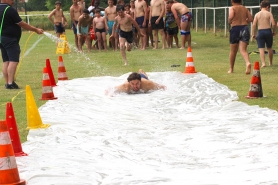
(210,53)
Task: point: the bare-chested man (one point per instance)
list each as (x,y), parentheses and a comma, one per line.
(83,30)
(184,22)
(110,14)
(141,19)
(75,13)
(136,83)
(266,30)
(125,22)
(59,20)
(239,17)
(157,11)
(100,27)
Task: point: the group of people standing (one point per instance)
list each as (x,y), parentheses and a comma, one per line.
(127,24)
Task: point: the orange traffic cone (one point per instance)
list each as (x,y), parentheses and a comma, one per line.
(50,73)
(8,168)
(189,67)
(11,123)
(255,90)
(47,90)
(62,75)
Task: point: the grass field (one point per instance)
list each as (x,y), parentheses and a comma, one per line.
(210,53)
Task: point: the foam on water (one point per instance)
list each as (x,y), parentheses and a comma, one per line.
(195,132)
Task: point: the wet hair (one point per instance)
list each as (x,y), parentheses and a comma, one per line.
(127,4)
(170,2)
(120,1)
(265,4)
(120,7)
(131,1)
(237,1)
(86,11)
(134,76)
(58,2)
(97,10)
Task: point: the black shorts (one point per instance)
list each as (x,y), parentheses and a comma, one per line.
(127,35)
(239,33)
(264,37)
(158,26)
(59,28)
(100,30)
(10,49)
(172,31)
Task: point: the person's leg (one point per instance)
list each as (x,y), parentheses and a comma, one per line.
(270,55)
(99,40)
(11,71)
(162,34)
(122,48)
(170,41)
(184,35)
(233,52)
(88,43)
(188,37)
(245,55)
(176,40)
(116,40)
(140,71)
(144,38)
(5,71)
(103,35)
(262,56)
(155,36)
(80,43)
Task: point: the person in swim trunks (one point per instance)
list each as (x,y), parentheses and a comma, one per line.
(266,31)
(75,12)
(157,11)
(59,20)
(125,23)
(136,83)
(141,19)
(110,14)
(239,18)
(184,23)
(83,30)
(100,27)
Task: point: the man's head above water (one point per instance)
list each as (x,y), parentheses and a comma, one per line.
(134,80)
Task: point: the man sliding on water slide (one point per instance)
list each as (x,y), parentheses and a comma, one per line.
(136,83)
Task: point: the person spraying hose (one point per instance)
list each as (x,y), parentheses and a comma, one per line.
(10,34)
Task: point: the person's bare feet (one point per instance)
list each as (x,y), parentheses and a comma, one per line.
(182,47)
(248,69)
(230,71)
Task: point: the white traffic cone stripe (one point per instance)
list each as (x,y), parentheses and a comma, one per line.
(5,138)
(60,64)
(47,89)
(62,75)
(7,163)
(189,54)
(45,76)
(189,64)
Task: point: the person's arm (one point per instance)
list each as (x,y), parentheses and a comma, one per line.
(65,19)
(161,13)
(176,16)
(79,25)
(145,13)
(254,25)
(51,15)
(26,26)
(231,15)
(136,26)
(273,24)
(249,17)
(106,25)
(118,89)
(72,16)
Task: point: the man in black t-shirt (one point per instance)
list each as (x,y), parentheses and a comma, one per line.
(10,30)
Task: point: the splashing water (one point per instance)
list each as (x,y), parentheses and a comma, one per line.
(55,39)
(89,63)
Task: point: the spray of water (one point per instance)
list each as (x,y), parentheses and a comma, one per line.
(80,55)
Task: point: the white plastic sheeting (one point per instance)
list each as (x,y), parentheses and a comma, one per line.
(195,132)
